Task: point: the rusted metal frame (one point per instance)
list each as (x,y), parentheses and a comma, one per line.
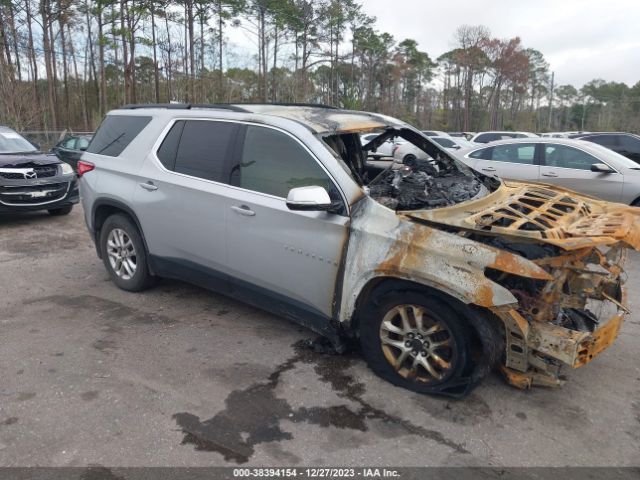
(547,208)
(516,333)
(602,338)
(526,380)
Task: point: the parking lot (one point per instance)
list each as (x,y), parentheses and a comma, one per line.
(178,376)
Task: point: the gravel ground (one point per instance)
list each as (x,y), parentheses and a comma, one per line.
(92,375)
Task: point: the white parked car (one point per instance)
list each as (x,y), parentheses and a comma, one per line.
(435,133)
(486,137)
(554,135)
(404,150)
(576,164)
(384,150)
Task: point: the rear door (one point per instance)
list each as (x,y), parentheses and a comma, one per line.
(290,256)
(570,167)
(516,161)
(182,203)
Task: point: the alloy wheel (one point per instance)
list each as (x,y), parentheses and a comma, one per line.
(419,346)
(122,254)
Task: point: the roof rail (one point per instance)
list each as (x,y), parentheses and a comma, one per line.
(236,107)
(290,104)
(183,106)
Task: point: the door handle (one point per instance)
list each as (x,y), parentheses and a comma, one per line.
(550,174)
(243,210)
(488,169)
(149,186)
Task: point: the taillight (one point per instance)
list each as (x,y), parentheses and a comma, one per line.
(84,167)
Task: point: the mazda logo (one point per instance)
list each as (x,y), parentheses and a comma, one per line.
(30,175)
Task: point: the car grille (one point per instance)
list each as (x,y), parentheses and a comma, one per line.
(41,171)
(32,194)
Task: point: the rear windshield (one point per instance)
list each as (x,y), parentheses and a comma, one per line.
(115,133)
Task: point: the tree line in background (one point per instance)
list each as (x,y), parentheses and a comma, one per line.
(64,63)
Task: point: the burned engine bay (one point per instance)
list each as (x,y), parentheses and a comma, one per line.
(436,180)
(423,184)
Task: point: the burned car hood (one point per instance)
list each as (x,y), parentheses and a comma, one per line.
(25,160)
(541,213)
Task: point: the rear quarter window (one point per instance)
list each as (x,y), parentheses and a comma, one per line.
(483,153)
(115,133)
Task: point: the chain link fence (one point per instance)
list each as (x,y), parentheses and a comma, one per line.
(47,139)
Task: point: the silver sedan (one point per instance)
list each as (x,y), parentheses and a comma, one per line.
(575,164)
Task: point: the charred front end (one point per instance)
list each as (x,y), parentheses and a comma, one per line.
(574,314)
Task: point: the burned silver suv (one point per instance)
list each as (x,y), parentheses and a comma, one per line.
(439,272)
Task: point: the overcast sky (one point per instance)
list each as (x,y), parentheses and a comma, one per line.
(582,40)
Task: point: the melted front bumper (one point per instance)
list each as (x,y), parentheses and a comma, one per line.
(536,351)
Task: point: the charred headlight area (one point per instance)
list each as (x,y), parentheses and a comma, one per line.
(530,294)
(423,185)
(585,288)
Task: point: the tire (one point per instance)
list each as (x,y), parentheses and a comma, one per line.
(124,254)
(409,158)
(56,212)
(379,354)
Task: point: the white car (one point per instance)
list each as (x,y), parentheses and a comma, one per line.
(435,133)
(384,150)
(554,135)
(404,150)
(486,137)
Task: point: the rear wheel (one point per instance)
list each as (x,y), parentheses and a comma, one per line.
(124,255)
(415,341)
(61,211)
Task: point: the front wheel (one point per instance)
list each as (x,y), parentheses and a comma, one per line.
(415,341)
(124,254)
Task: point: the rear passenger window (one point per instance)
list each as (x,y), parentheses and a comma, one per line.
(514,153)
(203,147)
(169,148)
(115,133)
(274,163)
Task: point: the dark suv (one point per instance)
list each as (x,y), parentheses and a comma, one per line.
(31,180)
(626,144)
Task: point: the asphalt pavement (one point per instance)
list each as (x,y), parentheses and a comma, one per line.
(179,376)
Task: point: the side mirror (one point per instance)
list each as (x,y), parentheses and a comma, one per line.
(311,198)
(601,168)
(83,149)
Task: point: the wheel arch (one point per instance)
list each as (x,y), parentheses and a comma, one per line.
(485,328)
(380,285)
(103,209)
